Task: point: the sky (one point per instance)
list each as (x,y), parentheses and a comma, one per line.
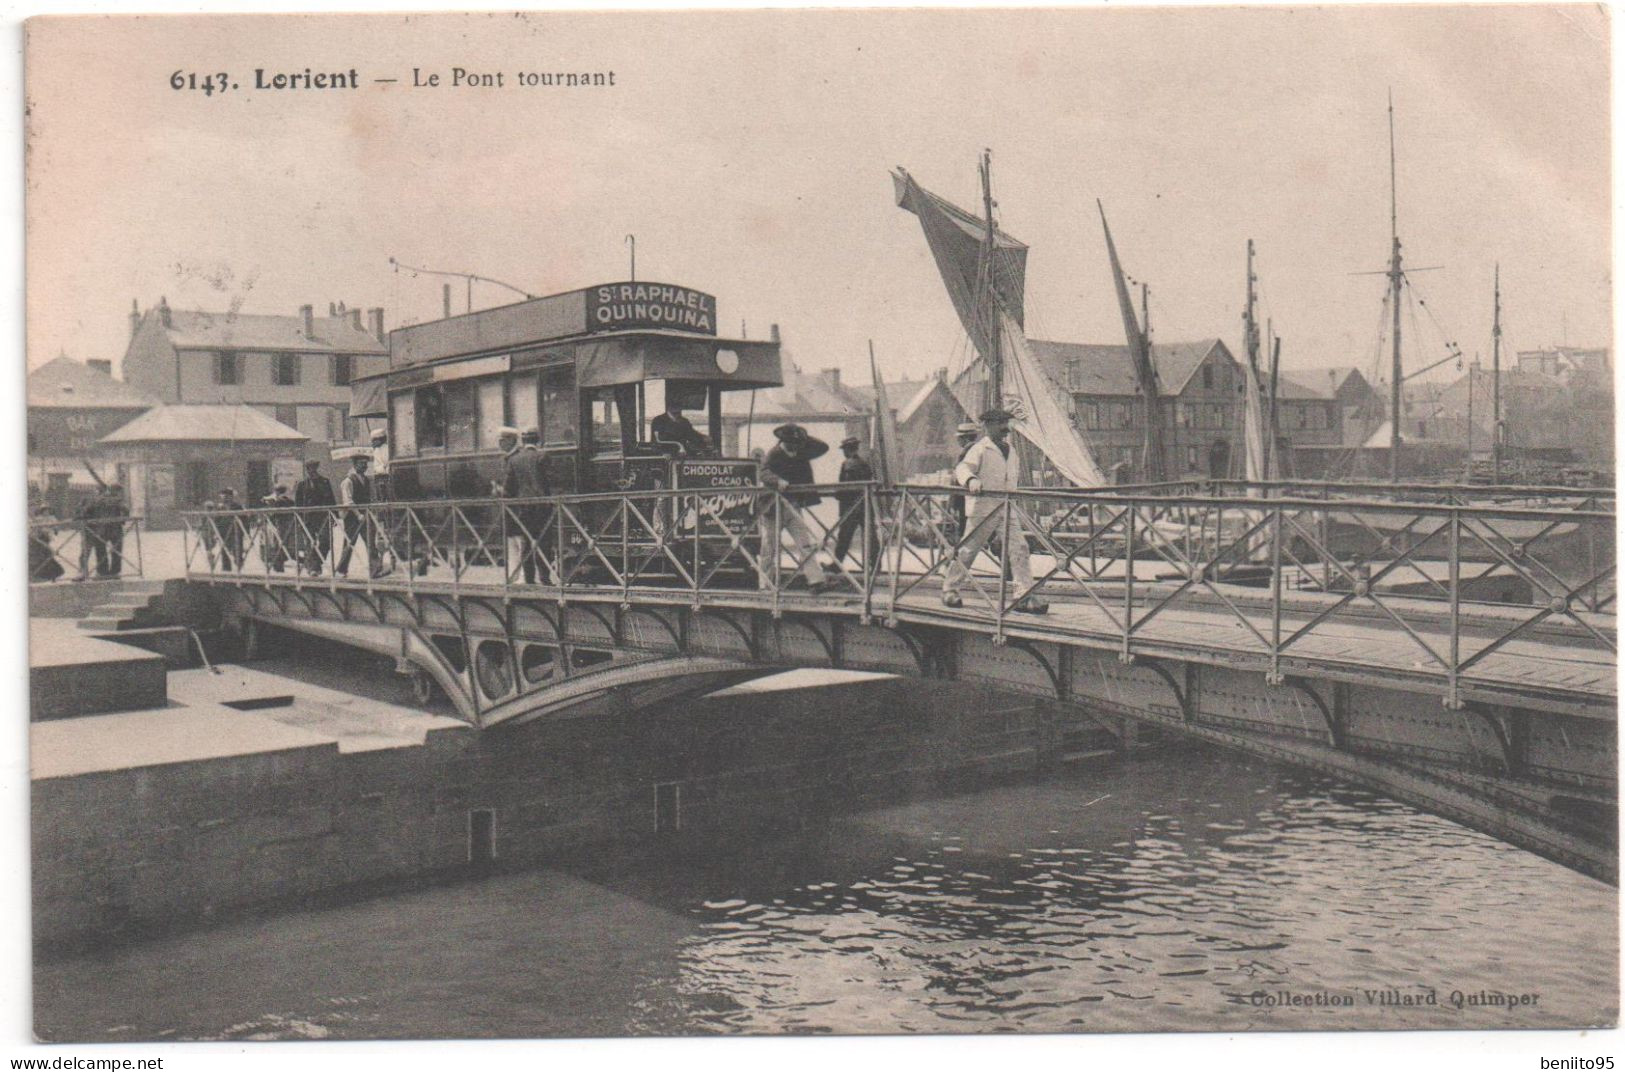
(749,152)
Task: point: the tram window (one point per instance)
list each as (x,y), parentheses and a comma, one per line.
(522,409)
(559,413)
(491,413)
(459,417)
(404,434)
(431,417)
(606,427)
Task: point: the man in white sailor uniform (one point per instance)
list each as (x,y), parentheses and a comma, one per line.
(990,466)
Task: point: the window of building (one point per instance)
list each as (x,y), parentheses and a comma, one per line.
(489,396)
(1207,377)
(338,421)
(430,411)
(460,418)
(559,415)
(1086,414)
(285,370)
(227,369)
(342,370)
(403,435)
(288,415)
(1192,458)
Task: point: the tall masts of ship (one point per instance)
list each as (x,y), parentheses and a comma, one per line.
(1495,386)
(1145,373)
(1396,279)
(993,390)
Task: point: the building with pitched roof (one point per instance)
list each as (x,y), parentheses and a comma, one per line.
(71,405)
(295,370)
(1203,387)
(178,457)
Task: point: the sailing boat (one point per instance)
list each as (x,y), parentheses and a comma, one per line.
(984,271)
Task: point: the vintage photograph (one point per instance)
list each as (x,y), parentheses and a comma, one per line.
(820,522)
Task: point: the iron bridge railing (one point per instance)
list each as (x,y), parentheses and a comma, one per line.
(79,550)
(1460,579)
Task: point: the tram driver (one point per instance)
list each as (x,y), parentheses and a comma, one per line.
(675,433)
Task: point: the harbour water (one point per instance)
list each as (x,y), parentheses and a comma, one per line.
(1191,890)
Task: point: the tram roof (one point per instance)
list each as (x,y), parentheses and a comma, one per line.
(601,360)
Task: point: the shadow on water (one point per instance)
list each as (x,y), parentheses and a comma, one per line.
(1164,893)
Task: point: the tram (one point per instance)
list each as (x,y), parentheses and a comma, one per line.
(589,369)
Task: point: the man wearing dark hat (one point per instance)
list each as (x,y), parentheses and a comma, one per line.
(115,512)
(789,466)
(314,491)
(989,469)
(855,469)
(525,477)
(230,528)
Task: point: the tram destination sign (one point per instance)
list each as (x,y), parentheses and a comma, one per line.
(612,306)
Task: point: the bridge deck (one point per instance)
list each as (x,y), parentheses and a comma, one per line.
(1359,642)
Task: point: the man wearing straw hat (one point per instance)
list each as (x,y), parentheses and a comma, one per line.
(990,467)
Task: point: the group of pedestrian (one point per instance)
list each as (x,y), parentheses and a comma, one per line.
(298,530)
(986,468)
(100,523)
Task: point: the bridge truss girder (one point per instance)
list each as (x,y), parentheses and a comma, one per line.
(1541,779)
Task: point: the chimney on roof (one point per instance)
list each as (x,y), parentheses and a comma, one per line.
(355,319)
(377,316)
(332,310)
(135,317)
(773,332)
(307,313)
(100,364)
(942,373)
(831,378)
(163,312)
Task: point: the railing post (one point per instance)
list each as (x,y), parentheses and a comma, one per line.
(140,561)
(456,547)
(1275,598)
(1452,698)
(1004,584)
(871,547)
(897,557)
(778,531)
(1128,581)
(626,544)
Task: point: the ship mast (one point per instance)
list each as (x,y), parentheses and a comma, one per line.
(1250,321)
(1495,387)
(993,396)
(1396,279)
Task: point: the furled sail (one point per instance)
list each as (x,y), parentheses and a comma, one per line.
(1145,371)
(887,454)
(957,241)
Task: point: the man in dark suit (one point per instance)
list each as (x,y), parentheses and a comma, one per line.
(789,467)
(524,476)
(315,490)
(673,431)
(855,469)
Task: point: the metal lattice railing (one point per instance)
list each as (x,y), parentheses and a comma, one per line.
(1274,572)
(102,548)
